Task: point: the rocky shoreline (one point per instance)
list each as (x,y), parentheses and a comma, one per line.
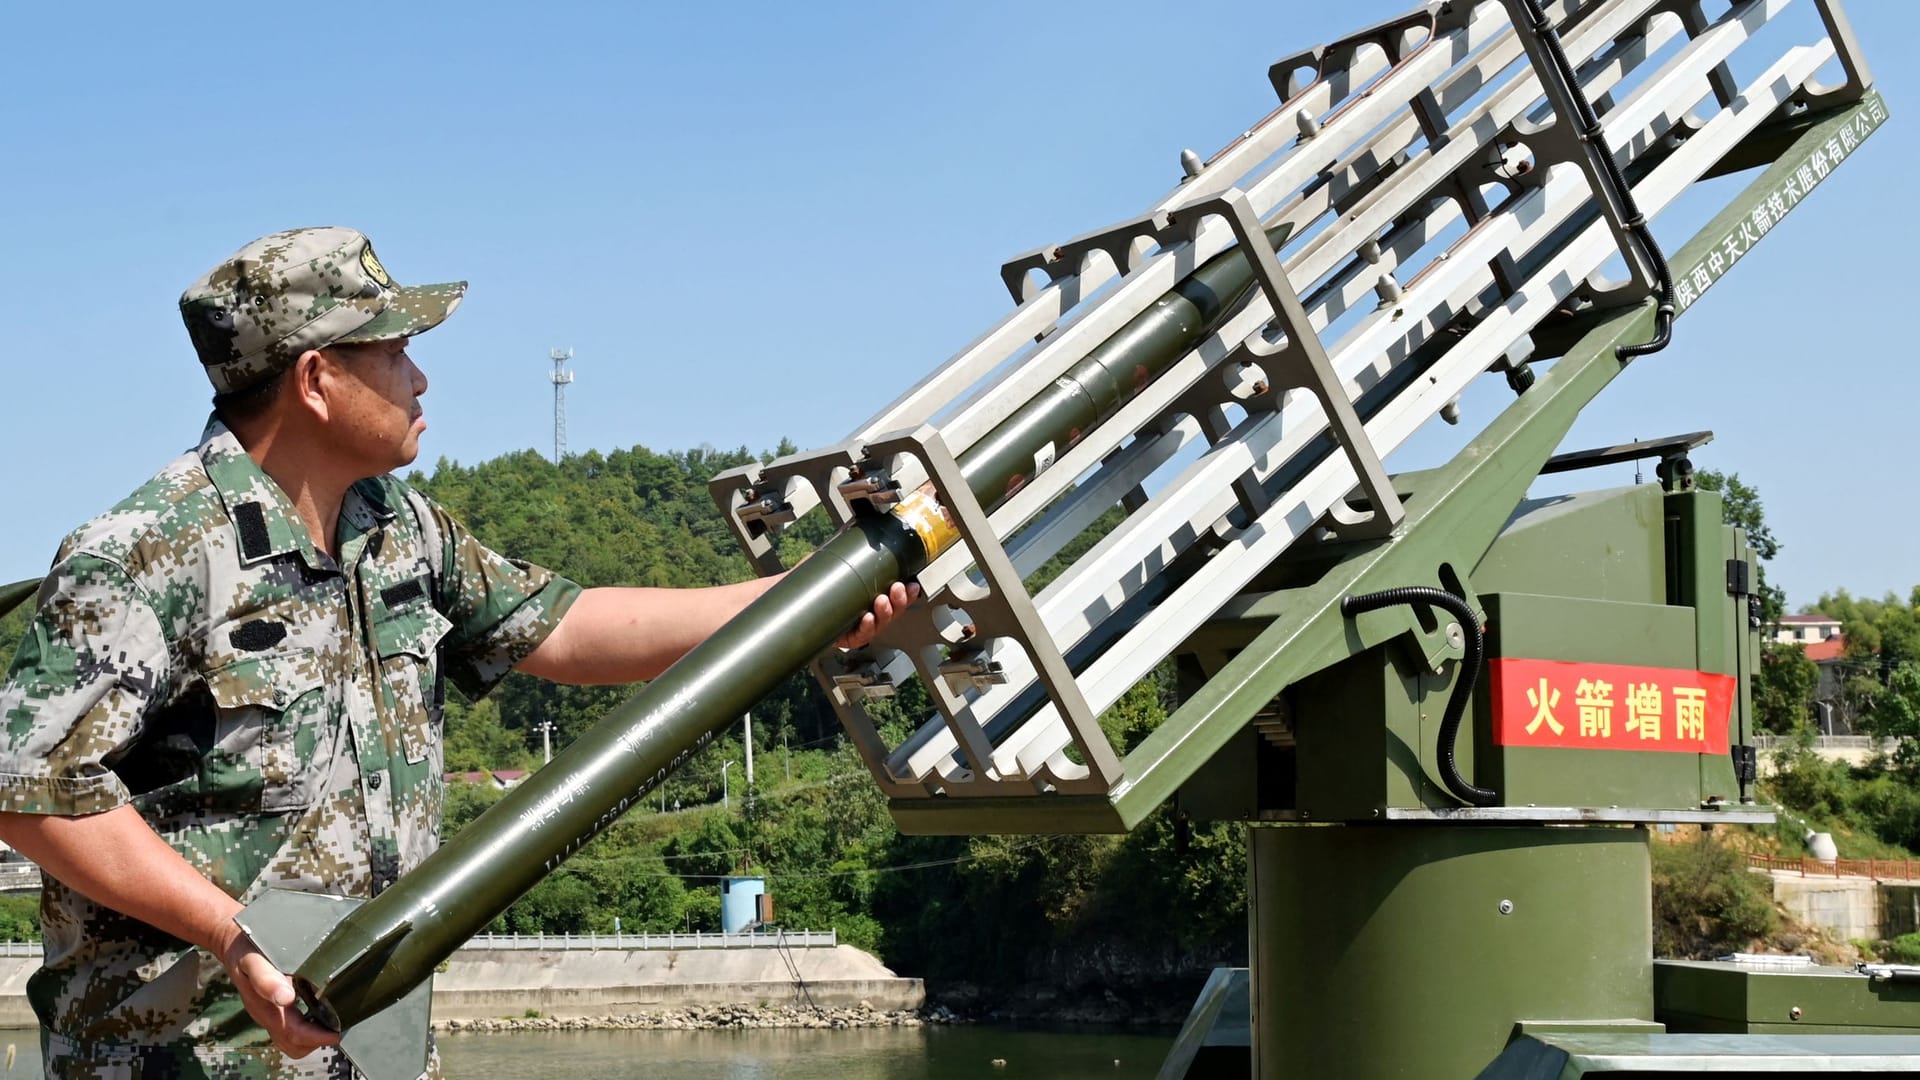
(706,1017)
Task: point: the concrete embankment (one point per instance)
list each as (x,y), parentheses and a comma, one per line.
(1850,907)
(579,982)
(566,983)
(14,1012)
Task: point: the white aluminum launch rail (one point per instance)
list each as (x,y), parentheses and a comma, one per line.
(1435,223)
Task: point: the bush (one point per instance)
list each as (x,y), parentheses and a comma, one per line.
(19,918)
(1904,949)
(1858,805)
(859,930)
(561,904)
(701,911)
(1891,808)
(1705,902)
(1805,781)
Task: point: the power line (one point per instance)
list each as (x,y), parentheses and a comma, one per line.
(926,864)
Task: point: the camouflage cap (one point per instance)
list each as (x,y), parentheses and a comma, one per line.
(253,315)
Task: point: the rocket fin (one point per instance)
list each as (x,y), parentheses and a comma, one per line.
(288,926)
(392,1043)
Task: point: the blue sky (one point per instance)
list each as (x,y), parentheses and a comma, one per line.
(758,221)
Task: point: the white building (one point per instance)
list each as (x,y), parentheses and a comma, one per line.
(1805,629)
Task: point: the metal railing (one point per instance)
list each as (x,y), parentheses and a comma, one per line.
(1869,743)
(790,939)
(17,876)
(1877,869)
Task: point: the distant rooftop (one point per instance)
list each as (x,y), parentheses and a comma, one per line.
(1831,649)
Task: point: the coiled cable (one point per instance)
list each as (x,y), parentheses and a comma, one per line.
(1462,696)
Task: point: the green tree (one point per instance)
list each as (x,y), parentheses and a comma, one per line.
(1743,508)
(1878,691)
(1894,710)
(1705,903)
(19,918)
(700,914)
(642,892)
(464,803)
(712,850)
(476,739)
(563,903)
(1783,693)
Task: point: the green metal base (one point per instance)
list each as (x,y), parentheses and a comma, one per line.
(1721,998)
(1410,950)
(1747,1057)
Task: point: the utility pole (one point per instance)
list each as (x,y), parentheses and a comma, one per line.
(747,723)
(546,741)
(560,378)
(726,797)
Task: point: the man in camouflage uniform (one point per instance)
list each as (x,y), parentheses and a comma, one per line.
(234,678)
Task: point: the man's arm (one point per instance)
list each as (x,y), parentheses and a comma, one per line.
(613,635)
(114,859)
(72,703)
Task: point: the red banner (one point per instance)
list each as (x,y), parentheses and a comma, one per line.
(1609,707)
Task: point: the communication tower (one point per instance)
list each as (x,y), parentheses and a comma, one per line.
(561,377)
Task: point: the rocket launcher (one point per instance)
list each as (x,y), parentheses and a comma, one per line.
(1431,202)
(12,596)
(364,967)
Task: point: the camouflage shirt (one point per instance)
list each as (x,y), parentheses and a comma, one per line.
(273,714)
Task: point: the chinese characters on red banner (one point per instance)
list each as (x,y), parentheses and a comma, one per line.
(1609,706)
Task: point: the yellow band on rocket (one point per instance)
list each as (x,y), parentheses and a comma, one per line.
(923,513)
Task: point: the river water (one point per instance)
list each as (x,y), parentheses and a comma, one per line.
(924,1053)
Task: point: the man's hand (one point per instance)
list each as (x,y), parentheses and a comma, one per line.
(270,1000)
(115,859)
(885,607)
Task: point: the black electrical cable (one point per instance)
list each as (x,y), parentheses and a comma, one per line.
(1462,696)
(1636,222)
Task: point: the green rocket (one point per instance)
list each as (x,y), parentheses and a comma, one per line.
(363,967)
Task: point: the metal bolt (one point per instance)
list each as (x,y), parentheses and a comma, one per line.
(1456,637)
(1259,387)
(1506,907)
(1794,1012)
